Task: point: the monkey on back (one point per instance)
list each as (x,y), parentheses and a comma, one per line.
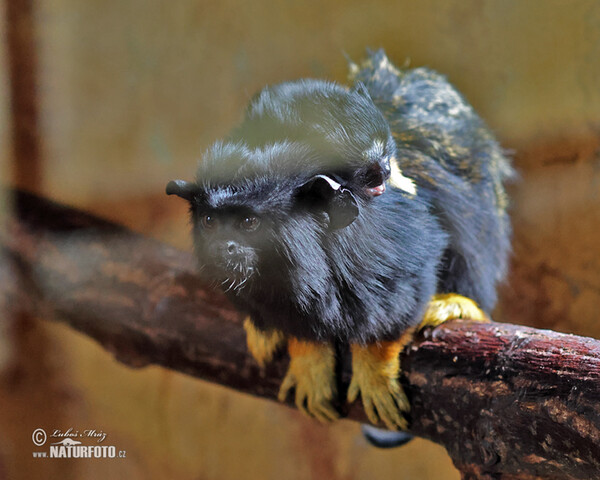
(351,216)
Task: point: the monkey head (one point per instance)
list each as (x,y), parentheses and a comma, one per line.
(255,211)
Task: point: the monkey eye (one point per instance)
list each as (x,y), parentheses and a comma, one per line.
(250,223)
(208,221)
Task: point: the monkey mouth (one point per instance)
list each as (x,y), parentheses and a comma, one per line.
(227,275)
(376,191)
(234,279)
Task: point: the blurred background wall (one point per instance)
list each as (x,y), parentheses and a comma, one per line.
(129,94)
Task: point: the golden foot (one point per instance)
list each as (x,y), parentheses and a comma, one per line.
(451,306)
(375,371)
(312,374)
(262,345)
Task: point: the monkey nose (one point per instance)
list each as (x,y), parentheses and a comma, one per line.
(232,248)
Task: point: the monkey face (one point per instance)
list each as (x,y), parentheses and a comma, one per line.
(228,243)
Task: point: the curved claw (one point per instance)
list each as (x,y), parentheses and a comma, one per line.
(286,385)
(384,403)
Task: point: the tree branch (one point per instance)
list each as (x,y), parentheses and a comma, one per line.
(506,401)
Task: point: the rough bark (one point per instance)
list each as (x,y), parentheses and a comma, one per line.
(506,401)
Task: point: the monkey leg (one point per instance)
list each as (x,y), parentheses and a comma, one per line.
(312,374)
(262,345)
(376,366)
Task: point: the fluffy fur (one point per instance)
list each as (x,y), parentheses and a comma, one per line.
(454,159)
(302,272)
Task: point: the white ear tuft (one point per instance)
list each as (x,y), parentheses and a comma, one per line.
(398,180)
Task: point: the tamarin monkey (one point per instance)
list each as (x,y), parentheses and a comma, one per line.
(352,216)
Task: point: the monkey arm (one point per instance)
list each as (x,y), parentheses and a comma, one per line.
(262,345)
(451,306)
(312,373)
(375,371)
(376,366)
